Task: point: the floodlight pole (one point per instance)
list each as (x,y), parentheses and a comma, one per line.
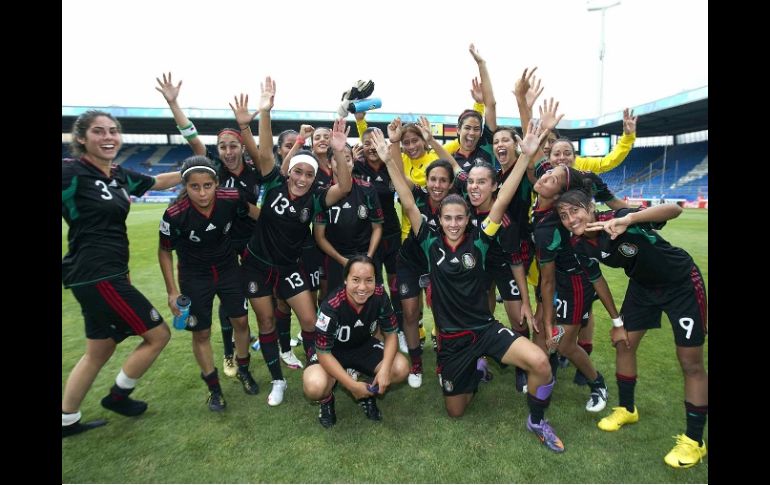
(594,6)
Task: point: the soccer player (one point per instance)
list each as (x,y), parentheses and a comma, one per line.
(95,204)
(197,226)
(662,278)
(347,321)
(351,226)
(566,291)
(457,256)
(271,263)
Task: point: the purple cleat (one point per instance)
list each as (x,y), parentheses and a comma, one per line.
(546,434)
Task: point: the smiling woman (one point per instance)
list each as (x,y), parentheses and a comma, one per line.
(95,205)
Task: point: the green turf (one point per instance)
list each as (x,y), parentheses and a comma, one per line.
(179,440)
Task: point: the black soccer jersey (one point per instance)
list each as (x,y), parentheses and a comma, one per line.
(518,210)
(380,180)
(340,325)
(247,183)
(410,252)
(95,207)
(349,222)
(482,153)
(202,243)
(459,283)
(644,255)
(284,221)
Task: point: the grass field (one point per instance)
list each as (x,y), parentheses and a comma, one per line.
(179,440)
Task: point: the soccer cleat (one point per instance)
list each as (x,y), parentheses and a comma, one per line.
(402,345)
(369,405)
(546,435)
(598,400)
(563,362)
(434,339)
(230,368)
(618,418)
(78,427)
(276,394)
(686,453)
(415,376)
(352,373)
(125,406)
(250,386)
(326,414)
(216,401)
(291,360)
(580,378)
(296,341)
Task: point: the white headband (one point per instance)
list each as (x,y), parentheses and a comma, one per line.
(303,158)
(199,167)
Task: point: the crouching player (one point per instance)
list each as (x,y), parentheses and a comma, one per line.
(347,320)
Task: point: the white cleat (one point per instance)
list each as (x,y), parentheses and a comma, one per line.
(415,380)
(276,394)
(291,360)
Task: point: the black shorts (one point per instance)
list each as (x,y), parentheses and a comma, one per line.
(364,358)
(259,279)
(506,285)
(201,288)
(459,351)
(684,303)
(312,262)
(408,280)
(387,251)
(573,298)
(115,309)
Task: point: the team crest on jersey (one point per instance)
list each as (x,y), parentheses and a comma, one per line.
(448,385)
(373,326)
(628,250)
(403,288)
(165,228)
(322,323)
(391,187)
(363,211)
(227,227)
(469,261)
(154,315)
(253,287)
(304,216)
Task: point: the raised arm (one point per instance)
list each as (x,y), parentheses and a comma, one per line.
(478,105)
(490,114)
(305,132)
(167,180)
(266,101)
(344,177)
(526,90)
(183,124)
(244,118)
(619,152)
(388,155)
(424,126)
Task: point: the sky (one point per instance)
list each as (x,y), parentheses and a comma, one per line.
(415,51)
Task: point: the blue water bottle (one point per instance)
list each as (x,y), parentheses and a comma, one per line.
(180,321)
(364,105)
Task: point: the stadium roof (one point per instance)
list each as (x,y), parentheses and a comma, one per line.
(682,113)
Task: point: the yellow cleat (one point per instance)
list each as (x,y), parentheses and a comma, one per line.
(618,418)
(686,453)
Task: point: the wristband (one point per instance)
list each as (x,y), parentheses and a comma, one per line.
(617,322)
(188,132)
(247,127)
(301,140)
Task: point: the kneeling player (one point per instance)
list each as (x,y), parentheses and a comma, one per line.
(347,319)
